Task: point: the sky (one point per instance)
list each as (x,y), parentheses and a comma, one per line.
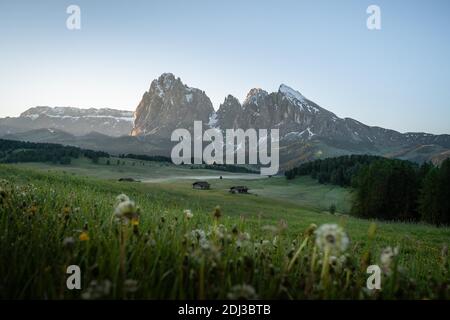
(397,77)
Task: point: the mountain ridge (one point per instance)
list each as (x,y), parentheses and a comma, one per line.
(307,131)
(73,120)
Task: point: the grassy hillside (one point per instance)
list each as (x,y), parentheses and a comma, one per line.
(137,169)
(305,191)
(258,247)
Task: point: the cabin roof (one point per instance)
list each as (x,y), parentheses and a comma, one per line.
(200,182)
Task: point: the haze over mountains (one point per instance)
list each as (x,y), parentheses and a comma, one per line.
(307,131)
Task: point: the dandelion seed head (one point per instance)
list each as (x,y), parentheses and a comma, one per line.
(69,242)
(333,238)
(122,198)
(188,214)
(126,210)
(387,256)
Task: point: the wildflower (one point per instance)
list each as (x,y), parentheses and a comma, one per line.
(188,214)
(198,234)
(242,292)
(243,239)
(126,209)
(122,198)
(244,236)
(337,262)
(69,242)
(135,221)
(387,256)
(204,243)
(311,229)
(332,238)
(217,212)
(84,236)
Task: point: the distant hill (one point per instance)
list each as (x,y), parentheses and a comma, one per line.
(95,141)
(75,121)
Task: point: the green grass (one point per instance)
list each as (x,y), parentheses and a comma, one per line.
(39,209)
(136,169)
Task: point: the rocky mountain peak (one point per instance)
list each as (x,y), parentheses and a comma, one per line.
(290,93)
(230,101)
(228,113)
(255,95)
(170,104)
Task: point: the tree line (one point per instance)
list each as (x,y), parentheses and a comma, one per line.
(388,189)
(12,151)
(145,157)
(401,190)
(338,171)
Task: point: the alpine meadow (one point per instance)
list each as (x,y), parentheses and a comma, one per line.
(181,155)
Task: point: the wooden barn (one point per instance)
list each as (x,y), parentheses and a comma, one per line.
(239,189)
(201,185)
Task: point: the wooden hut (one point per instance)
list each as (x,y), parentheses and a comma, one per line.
(201,185)
(239,189)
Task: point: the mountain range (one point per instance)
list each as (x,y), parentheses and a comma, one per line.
(307,131)
(75,121)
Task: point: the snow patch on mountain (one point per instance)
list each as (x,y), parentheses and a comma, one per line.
(212,123)
(291,94)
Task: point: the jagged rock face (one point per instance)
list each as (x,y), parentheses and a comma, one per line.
(286,110)
(302,121)
(75,121)
(229,113)
(168,105)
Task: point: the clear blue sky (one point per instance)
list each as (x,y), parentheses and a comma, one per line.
(397,77)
